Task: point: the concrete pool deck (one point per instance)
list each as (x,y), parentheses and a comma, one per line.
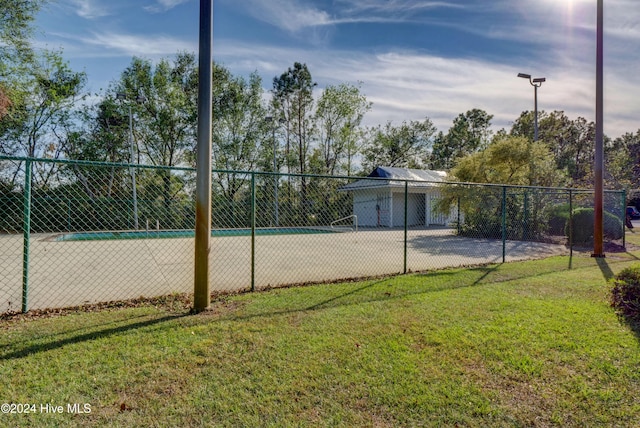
(70,273)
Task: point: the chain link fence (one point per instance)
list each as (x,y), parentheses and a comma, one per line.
(74,233)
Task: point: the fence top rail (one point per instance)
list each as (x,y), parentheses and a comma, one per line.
(282,174)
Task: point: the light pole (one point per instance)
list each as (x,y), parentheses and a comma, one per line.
(536,83)
(598,205)
(139,99)
(202,247)
(275,165)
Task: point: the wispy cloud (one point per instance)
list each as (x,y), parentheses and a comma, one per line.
(90,9)
(289,15)
(111,44)
(412,85)
(382,8)
(164,5)
(149,44)
(296,15)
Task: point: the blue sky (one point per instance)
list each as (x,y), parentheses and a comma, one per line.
(414,58)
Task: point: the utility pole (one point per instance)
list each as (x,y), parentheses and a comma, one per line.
(201,293)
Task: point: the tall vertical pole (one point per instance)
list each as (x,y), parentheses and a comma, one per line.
(504,224)
(253,231)
(26,231)
(535,102)
(570,229)
(598,229)
(275,177)
(406,220)
(201,294)
(133,172)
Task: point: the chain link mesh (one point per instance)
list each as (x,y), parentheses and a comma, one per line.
(92,239)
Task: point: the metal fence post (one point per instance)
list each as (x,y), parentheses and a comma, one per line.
(26,229)
(570,228)
(253,231)
(406,199)
(504,223)
(624,218)
(68,214)
(525,226)
(458,213)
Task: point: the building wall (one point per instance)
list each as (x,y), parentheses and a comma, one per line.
(385,208)
(435,218)
(373,207)
(415,209)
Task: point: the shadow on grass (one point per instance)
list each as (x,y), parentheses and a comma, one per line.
(634,325)
(602,263)
(59,343)
(385,289)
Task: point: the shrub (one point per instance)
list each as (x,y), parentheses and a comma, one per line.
(625,294)
(558,217)
(583,219)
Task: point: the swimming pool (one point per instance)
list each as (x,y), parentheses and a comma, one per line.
(167,234)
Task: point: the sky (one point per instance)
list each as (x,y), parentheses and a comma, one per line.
(412,58)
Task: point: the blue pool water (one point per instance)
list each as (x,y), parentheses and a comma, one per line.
(164,234)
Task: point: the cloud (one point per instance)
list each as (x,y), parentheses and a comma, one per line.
(90,9)
(289,15)
(295,15)
(135,45)
(412,85)
(109,44)
(382,8)
(164,5)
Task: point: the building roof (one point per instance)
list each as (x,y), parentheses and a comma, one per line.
(386,176)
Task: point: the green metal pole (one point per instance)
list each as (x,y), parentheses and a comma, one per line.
(26,229)
(68,215)
(504,223)
(525,226)
(253,232)
(406,199)
(570,228)
(459,215)
(624,219)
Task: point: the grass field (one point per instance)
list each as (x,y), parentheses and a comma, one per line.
(521,344)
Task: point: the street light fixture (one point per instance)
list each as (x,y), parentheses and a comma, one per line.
(275,165)
(138,99)
(536,83)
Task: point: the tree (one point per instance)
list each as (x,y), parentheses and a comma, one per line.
(100,134)
(293,103)
(469,133)
(509,160)
(238,127)
(163,103)
(524,125)
(404,146)
(16,55)
(622,160)
(338,115)
(570,141)
(37,122)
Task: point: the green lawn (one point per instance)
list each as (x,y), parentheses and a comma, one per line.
(521,344)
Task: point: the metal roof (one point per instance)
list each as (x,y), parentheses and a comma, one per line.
(387,176)
(408,174)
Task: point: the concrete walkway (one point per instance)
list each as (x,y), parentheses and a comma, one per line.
(69,273)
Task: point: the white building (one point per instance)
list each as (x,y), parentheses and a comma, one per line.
(379,202)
